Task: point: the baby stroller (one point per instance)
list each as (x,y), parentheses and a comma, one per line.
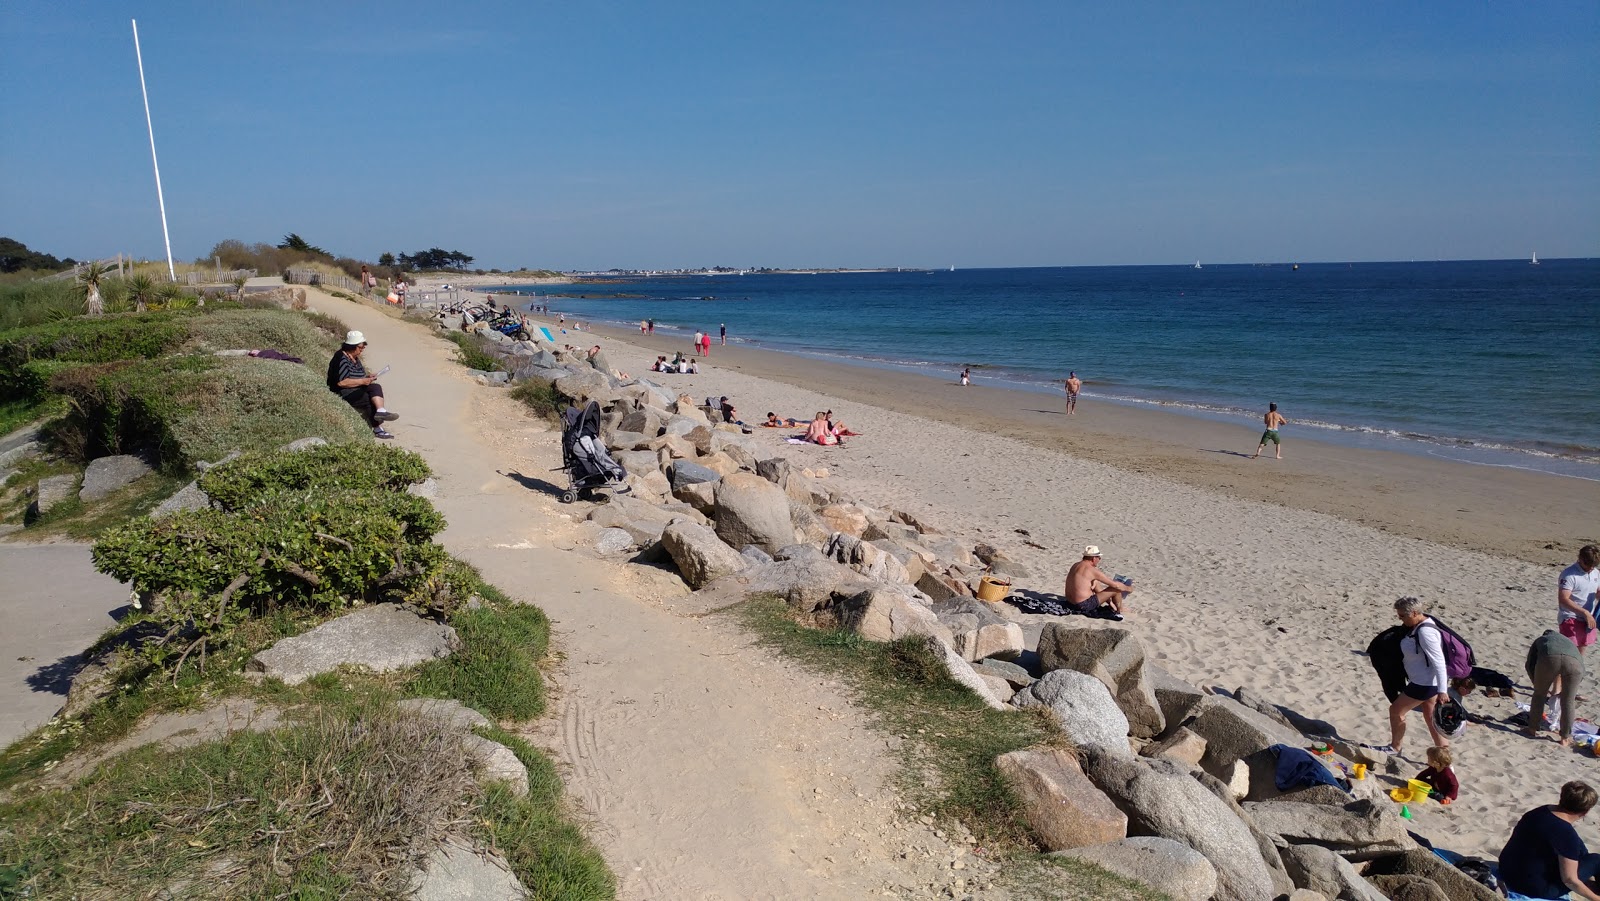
(584,457)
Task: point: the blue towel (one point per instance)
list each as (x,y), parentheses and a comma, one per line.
(1298,769)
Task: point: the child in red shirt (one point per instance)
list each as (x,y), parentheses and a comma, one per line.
(1440,776)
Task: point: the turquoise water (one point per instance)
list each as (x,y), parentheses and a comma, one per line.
(1491,362)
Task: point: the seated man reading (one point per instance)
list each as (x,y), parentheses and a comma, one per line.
(347,377)
(1093,593)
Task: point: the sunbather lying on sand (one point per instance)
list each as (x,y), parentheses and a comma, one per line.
(773,422)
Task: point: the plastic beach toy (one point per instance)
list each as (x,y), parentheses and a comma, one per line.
(1358,771)
(1405,812)
(1419,790)
(1401,795)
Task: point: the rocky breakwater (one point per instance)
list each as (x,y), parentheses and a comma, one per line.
(1172,785)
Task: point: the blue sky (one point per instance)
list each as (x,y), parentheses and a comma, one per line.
(594,135)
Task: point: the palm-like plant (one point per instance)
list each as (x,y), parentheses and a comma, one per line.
(171,296)
(141,291)
(89,283)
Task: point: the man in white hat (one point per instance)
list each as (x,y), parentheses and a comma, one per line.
(347,377)
(1093,593)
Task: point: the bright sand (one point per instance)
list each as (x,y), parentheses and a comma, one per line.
(1262,573)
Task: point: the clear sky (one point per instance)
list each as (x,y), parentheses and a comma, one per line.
(602,134)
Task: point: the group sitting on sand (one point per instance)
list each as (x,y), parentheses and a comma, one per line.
(823,430)
(679,364)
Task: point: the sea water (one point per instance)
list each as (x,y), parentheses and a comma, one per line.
(1491,362)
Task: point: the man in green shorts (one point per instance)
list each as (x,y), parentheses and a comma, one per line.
(1274,421)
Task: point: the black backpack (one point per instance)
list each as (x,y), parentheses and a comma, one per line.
(1383,652)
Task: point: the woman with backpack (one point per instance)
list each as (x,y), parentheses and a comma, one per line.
(1427,677)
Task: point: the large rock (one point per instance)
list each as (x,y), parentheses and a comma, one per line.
(808,528)
(1176,870)
(865,558)
(752,510)
(1004,640)
(1409,888)
(1359,830)
(636,461)
(382,638)
(623,440)
(1457,886)
(455,871)
(49,493)
(1320,870)
(807,581)
(189,497)
(1182,746)
(641,519)
(961,671)
(1161,799)
(1087,712)
(1179,700)
(586,385)
(497,763)
(1232,732)
(938,586)
(1015,676)
(111,472)
(1061,805)
(684,472)
(699,554)
(879,614)
(700,495)
(847,518)
(1115,657)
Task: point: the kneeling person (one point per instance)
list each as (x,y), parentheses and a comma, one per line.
(1093,593)
(347,377)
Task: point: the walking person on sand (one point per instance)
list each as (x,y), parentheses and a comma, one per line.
(1578,598)
(1273,420)
(698,337)
(1073,385)
(966,377)
(1427,677)
(724,330)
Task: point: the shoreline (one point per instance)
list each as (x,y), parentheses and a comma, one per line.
(1268,575)
(1523,515)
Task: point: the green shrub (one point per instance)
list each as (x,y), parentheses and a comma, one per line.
(208,571)
(247,480)
(541,397)
(100,340)
(37,302)
(283,330)
(474,353)
(198,407)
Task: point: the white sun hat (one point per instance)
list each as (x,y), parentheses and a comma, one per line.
(354,337)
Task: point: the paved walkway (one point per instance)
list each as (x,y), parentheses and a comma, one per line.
(53,604)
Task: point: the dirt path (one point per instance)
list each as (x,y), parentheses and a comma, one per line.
(709,769)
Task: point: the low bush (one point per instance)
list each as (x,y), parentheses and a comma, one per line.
(26,303)
(198,407)
(474,353)
(209,571)
(541,397)
(290,332)
(251,478)
(100,340)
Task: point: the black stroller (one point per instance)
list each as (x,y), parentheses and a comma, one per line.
(583,455)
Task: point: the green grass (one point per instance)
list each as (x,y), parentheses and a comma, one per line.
(497,670)
(311,810)
(24,303)
(82,522)
(472,352)
(546,850)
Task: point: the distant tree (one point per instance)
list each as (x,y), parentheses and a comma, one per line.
(15,256)
(386,259)
(298,244)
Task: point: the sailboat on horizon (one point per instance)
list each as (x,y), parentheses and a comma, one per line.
(1197,264)
(1535,260)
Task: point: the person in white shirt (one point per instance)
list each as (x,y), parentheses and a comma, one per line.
(1427,678)
(1576,602)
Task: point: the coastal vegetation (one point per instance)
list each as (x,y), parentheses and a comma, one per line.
(352,788)
(16,258)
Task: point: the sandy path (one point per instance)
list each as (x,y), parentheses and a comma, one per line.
(1233,591)
(709,770)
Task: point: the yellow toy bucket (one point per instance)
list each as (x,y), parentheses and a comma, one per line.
(993,590)
(1419,790)
(1400,795)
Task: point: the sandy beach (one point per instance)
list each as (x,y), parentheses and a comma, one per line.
(1262,573)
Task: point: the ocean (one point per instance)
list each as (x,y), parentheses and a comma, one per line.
(1487,362)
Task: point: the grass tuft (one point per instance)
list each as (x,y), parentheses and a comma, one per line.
(497,670)
(541,397)
(473,353)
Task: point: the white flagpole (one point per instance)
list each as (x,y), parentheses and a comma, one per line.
(160,200)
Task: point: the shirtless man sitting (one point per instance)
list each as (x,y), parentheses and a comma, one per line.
(1093,593)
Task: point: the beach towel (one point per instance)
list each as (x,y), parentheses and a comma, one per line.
(1298,769)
